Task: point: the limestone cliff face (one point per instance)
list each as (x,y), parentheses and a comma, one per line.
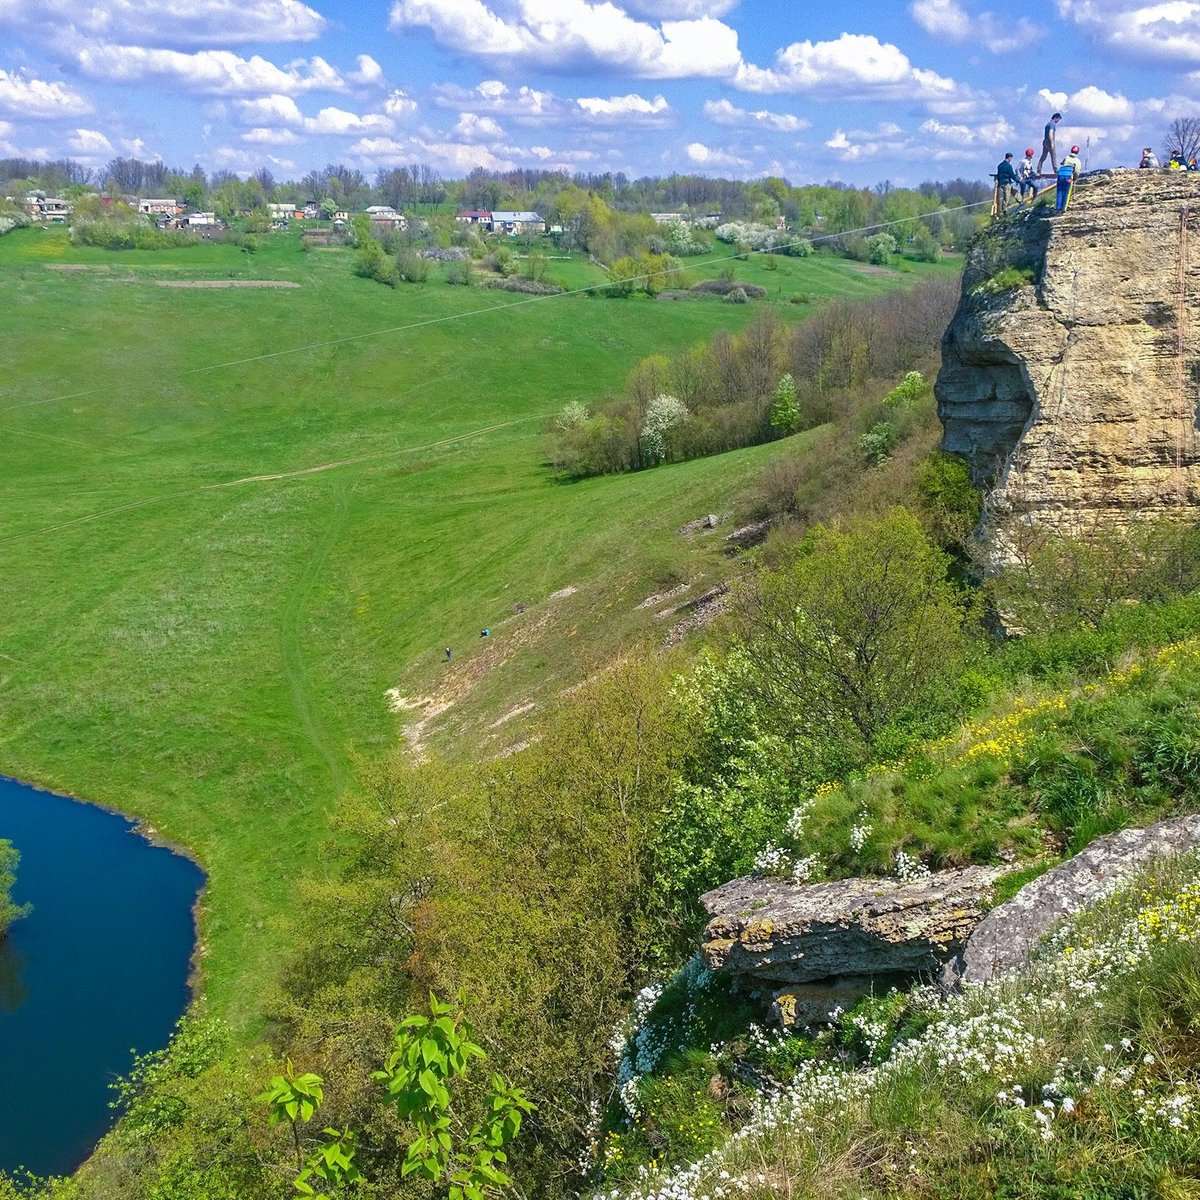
(1074,397)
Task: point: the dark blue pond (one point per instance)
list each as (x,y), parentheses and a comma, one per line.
(99,967)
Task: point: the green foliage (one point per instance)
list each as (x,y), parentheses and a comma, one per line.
(1007,279)
(332,1163)
(950,501)
(645,272)
(881,248)
(909,390)
(130,233)
(10,859)
(1060,579)
(432,1055)
(854,627)
(877,444)
(785,411)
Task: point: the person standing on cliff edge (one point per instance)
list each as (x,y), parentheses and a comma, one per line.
(1068,169)
(1048,144)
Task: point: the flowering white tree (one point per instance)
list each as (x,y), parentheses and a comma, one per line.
(663,414)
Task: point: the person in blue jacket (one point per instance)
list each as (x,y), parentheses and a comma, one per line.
(1006,181)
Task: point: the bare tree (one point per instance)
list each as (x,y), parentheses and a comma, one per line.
(1183,134)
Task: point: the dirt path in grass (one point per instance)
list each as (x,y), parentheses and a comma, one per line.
(226,283)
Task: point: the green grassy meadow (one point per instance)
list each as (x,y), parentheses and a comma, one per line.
(233,519)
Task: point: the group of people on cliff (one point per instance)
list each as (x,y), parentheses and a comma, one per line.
(1175,163)
(1022,180)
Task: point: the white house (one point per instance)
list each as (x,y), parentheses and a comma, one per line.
(201,218)
(517,222)
(158,208)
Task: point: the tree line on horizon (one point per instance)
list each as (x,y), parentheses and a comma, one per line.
(833,206)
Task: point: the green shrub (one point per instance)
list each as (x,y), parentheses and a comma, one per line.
(9,911)
(877,444)
(1007,279)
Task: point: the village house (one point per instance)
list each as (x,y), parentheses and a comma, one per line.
(384,216)
(670,218)
(281,212)
(200,218)
(515,223)
(158,208)
(50,209)
(474,216)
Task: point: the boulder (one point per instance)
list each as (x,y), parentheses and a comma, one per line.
(772,932)
(1005,938)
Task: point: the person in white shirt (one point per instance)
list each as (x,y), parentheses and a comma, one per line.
(1027,178)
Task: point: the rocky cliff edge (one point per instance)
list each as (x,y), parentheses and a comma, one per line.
(1070,372)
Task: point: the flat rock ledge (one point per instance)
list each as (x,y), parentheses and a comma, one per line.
(1006,937)
(771,932)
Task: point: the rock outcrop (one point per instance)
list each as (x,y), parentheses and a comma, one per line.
(1005,938)
(1073,396)
(770,932)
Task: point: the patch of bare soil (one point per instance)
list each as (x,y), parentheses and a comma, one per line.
(74,267)
(700,612)
(563,593)
(226,283)
(518,711)
(662,597)
(460,677)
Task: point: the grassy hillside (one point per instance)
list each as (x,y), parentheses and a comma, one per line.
(231,525)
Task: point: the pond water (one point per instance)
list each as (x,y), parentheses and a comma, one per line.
(99,967)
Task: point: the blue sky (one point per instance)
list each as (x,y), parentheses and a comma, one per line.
(813,91)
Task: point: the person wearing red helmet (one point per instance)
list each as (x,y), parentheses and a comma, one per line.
(1067,172)
(1027,178)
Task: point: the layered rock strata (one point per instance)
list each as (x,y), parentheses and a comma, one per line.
(1070,370)
(770,932)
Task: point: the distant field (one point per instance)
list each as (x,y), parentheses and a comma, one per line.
(213,574)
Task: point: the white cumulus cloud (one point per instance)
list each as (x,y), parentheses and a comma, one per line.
(667,10)
(724,113)
(950,20)
(399,104)
(265,110)
(458,158)
(89,142)
(165,22)
(564,35)
(707,156)
(214,72)
(526,105)
(853,65)
(262,135)
(627,110)
(1166,33)
(368,70)
(473,127)
(26,96)
(339,121)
